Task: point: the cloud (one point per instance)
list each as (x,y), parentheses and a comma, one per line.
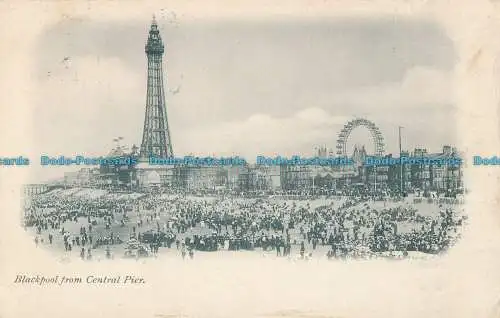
(420,86)
(427,86)
(262,134)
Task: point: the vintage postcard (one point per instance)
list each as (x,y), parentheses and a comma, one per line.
(250,159)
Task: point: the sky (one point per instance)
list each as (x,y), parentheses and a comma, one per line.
(248,88)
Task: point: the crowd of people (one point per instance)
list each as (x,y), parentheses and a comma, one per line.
(340,227)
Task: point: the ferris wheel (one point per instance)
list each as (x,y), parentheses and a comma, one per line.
(376,136)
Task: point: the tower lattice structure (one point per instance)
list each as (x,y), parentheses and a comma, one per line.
(156,134)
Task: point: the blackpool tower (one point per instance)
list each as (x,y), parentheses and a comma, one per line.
(156,134)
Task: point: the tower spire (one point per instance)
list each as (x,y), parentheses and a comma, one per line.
(156,134)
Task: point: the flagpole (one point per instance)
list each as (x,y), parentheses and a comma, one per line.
(400,162)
